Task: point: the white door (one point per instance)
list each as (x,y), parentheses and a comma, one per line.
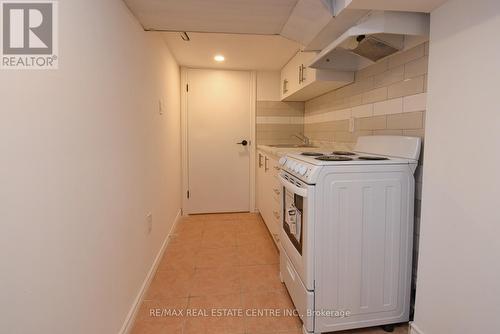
(219,112)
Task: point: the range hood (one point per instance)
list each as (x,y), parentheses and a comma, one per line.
(376,36)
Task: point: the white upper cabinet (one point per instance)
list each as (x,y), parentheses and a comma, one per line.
(299,82)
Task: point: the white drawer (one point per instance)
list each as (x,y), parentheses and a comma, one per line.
(302,299)
(277,190)
(274,167)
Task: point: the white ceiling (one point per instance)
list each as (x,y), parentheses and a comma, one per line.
(267,17)
(229,16)
(248,32)
(244,52)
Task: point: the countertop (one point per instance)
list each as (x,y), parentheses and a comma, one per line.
(281,151)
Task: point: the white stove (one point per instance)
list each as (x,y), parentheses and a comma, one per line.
(369,150)
(347,233)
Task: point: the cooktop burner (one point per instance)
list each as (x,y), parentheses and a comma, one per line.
(333,158)
(312,154)
(343,153)
(373,158)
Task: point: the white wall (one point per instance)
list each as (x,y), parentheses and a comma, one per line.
(458,286)
(84,156)
(268,86)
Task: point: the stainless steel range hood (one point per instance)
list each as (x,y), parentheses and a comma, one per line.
(376,36)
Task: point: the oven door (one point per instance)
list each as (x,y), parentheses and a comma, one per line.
(293,211)
(297,236)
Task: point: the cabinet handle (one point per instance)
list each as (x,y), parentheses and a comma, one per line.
(303,73)
(300,74)
(285,86)
(266,168)
(260,160)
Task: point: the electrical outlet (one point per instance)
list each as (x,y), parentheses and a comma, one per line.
(351,124)
(149,222)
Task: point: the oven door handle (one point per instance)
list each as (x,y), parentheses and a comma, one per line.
(292,187)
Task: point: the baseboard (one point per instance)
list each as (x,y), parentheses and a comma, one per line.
(129,321)
(414,329)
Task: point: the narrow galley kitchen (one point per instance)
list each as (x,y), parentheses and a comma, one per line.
(264,246)
(249,167)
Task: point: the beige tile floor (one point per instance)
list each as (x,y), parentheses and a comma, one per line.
(220,263)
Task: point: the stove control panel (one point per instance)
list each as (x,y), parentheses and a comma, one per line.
(300,169)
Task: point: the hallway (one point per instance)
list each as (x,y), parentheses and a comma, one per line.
(220,263)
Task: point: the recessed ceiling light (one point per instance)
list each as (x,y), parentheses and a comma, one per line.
(219,58)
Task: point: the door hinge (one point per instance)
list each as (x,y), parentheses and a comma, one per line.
(187,88)
(188,195)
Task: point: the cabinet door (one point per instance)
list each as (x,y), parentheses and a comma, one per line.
(273,198)
(269,193)
(307,74)
(290,77)
(259,191)
(305,83)
(266,193)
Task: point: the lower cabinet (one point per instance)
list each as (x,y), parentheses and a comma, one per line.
(269,193)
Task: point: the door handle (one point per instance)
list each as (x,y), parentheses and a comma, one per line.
(244,143)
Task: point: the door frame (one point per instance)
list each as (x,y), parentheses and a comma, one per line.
(185,132)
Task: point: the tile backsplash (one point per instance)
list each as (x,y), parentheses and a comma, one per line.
(387,98)
(277,122)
